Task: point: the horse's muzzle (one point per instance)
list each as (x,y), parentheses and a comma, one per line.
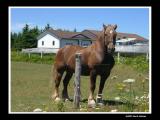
(111,50)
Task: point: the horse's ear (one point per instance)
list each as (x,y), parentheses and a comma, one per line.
(104,26)
(115,26)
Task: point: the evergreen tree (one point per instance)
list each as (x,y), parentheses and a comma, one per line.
(26,28)
(26,39)
(13,38)
(75,30)
(47,27)
(30,37)
(18,43)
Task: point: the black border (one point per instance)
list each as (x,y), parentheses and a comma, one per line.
(66,3)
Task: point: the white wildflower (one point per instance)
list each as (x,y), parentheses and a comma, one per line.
(146,78)
(136,97)
(83,109)
(37,110)
(129,81)
(115,110)
(142,97)
(114,77)
(117,98)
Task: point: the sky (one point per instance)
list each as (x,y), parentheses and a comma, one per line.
(128,20)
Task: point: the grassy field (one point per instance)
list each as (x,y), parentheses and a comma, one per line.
(31,88)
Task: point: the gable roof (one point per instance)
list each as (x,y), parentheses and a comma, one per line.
(62,34)
(58,34)
(92,34)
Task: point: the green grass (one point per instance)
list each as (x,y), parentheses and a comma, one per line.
(31,88)
(34,58)
(138,62)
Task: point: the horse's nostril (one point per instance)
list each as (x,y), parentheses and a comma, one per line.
(109,50)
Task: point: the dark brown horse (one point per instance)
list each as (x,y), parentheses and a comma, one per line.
(96,59)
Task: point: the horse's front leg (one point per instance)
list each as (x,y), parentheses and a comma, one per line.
(99,100)
(91,101)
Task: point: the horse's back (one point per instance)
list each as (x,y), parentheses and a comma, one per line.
(65,56)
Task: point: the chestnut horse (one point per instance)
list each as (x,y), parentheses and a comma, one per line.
(96,59)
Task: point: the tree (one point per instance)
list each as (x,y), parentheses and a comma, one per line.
(75,30)
(26,28)
(25,39)
(30,38)
(18,43)
(47,27)
(13,39)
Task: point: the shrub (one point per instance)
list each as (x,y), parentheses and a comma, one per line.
(138,62)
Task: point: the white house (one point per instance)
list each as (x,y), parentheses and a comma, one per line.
(48,41)
(57,39)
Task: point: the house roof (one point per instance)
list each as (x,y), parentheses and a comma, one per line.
(119,35)
(129,35)
(62,34)
(91,34)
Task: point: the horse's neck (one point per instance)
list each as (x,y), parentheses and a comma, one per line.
(101,45)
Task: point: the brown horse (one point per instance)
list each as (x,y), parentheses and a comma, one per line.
(96,59)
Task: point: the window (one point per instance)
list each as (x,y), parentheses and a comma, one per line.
(85,44)
(69,43)
(42,43)
(118,38)
(53,43)
(124,37)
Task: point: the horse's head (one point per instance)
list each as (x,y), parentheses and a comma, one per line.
(109,33)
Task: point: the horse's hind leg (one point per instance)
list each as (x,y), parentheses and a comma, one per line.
(65,84)
(57,75)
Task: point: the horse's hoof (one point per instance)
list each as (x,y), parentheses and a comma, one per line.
(99,101)
(57,99)
(100,104)
(91,103)
(67,99)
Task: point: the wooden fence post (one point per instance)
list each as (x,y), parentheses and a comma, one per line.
(147,56)
(41,54)
(77,80)
(118,57)
(29,55)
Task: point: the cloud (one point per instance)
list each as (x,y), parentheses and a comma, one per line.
(17,27)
